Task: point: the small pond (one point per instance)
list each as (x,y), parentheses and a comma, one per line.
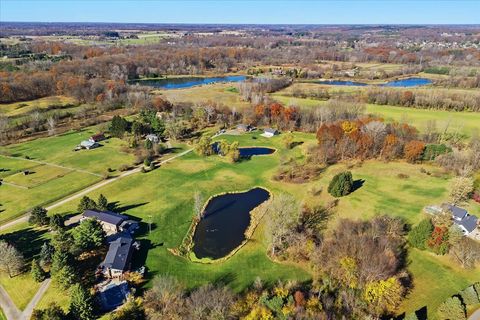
(227,217)
(248,152)
(187,82)
(410,82)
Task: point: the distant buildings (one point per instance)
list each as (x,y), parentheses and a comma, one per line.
(112,222)
(118,258)
(269,132)
(467,222)
(153,138)
(87,144)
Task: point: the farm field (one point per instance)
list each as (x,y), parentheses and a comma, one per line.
(55,169)
(24,107)
(165,198)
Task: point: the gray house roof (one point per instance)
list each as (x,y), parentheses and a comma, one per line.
(106,216)
(458,213)
(119,253)
(469,223)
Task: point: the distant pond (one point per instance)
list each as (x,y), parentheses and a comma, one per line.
(187,82)
(410,82)
(227,217)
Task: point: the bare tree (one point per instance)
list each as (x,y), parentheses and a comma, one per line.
(462,187)
(11,260)
(3,128)
(165,300)
(466,252)
(51,122)
(282,217)
(209,302)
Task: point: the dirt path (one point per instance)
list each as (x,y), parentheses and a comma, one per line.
(94,187)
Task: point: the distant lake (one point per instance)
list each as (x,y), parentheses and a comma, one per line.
(410,82)
(187,82)
(223,226)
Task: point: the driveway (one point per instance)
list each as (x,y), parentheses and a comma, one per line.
(10,309)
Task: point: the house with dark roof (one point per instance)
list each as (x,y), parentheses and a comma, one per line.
(111,222)
(97,137)
(88,144)
(244,127)
(118,257)
(466,222)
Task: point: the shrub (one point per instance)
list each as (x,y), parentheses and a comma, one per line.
(452,308)
(403,176)
(419,234)
(469,296)
(341,184)
(432,151)
(124,167)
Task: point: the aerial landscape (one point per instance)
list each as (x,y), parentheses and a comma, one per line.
(239,160)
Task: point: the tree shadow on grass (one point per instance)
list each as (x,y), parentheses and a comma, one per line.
(357,184)
(224,279)
(114,206)
(28,241)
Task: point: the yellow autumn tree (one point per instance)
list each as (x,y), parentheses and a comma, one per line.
(384,295)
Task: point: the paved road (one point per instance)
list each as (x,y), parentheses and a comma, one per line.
(9,309)
(475,315)
(96,186)
(35,300)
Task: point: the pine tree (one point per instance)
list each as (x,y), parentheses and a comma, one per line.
(81,305)
(37,272)
(86,204)
(341,184)
(65,277)
(102,203)
(46,254)
(419,234)
(88,235)
(57,222)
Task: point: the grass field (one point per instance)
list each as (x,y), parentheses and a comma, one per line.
(49,182)
(165,198)
(24,107)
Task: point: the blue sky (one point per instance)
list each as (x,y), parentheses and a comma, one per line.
(246,11)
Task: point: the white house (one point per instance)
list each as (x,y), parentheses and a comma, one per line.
(269,132)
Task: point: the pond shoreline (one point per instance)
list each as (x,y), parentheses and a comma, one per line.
(187,243)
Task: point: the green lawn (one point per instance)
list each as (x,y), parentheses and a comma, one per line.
(28,241)
(49,183)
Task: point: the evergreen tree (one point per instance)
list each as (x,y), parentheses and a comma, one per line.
(118,126)
(86,204)
(52,312)
(38,216)
(60,259)
(88,235)
(452,308)
(81,305)
(62,241)
(341,184)
(148,144)
(65,277)
(37,272)
(102,203)
(57,222)
(46,254)
(418,236)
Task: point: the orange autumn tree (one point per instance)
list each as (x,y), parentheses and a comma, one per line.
(413,150)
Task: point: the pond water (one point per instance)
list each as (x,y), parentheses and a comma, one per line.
(410,82)
(226,219)
(187,82)
(247,152)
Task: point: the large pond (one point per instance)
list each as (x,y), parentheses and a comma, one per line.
(410,82)
(187,82)
(223,226)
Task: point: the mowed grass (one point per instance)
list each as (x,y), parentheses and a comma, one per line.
(28,240)
(49,183)
(24,107)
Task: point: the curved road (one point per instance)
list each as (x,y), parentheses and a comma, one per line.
(475,315)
